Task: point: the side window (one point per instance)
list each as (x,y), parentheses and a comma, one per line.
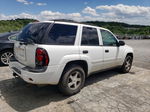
(12,37)
(89,37)
(108,38)
(61,34)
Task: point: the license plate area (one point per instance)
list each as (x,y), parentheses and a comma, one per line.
(20,51)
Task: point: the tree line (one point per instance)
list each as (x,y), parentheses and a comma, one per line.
(115,27)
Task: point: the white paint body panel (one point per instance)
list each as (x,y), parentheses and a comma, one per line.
(60,55)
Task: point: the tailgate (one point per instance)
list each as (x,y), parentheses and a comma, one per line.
(25,54)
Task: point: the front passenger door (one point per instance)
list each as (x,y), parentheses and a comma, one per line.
(110,49)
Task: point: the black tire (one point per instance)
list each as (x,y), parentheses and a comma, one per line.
(67,79)
(2,62)
(125,68)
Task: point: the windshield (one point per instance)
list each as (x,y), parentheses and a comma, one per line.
(33,32)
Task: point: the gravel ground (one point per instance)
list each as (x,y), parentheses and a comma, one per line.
(142,52)
(103,92)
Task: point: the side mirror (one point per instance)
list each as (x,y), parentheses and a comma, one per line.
(121,43)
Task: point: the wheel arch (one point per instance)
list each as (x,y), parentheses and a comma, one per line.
(81,63)
(6,49)
(130,54)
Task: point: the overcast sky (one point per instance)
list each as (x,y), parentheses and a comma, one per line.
(128,11)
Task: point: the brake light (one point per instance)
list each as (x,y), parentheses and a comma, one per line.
(41,58)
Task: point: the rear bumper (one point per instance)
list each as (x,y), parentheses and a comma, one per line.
(50,76)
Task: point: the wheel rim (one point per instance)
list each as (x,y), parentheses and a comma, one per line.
(128,63)
(74,80)
(5,57)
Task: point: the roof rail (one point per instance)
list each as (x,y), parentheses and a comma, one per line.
(65,20)
(72,21)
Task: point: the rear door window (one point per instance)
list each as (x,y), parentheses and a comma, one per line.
(89,37)
(61,34)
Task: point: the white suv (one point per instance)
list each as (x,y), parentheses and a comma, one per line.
(65,53)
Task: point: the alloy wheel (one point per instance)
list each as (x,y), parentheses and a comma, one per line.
(5,57)
(74,80)
(128,63)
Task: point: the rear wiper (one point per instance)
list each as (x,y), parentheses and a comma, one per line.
(28,41)
(23,43)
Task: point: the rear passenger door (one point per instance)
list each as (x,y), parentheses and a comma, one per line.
(90,48)
(111,50)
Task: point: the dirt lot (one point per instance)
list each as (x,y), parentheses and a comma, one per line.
(142,52)
(104,92)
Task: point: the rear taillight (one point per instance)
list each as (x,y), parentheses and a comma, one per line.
(41,58)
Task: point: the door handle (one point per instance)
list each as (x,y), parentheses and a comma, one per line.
(106,51)
(85,51)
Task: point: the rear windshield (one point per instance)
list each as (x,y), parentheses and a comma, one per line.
(33,32)
(51,34)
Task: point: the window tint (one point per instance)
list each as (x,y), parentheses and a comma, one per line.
(33,32)
(89,37)
(108,38)
(61,34)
